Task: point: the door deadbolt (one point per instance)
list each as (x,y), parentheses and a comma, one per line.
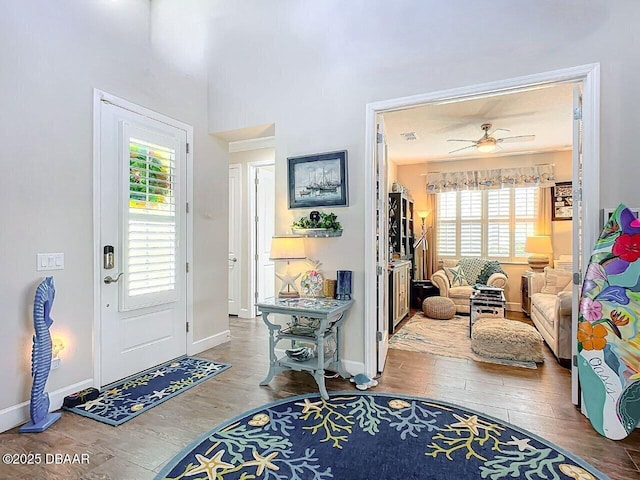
(108,257)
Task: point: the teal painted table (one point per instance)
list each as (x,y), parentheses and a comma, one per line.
(326,315)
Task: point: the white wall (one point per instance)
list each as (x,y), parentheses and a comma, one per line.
(53,55)
(311,67)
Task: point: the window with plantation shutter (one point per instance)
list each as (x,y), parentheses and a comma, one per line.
(498,216)
(447,224)
(151,238)
(487,223)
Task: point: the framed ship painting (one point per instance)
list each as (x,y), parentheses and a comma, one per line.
(318,180)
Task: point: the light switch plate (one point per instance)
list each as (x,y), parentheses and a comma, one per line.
(50,261)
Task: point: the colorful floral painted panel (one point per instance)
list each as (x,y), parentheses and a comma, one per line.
(608,328)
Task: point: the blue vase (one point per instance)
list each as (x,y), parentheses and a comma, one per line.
(343,287)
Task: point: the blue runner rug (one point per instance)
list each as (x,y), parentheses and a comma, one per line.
(363,435)
(119,402)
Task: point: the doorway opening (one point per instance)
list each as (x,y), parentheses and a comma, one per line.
(251,223)
(585,178)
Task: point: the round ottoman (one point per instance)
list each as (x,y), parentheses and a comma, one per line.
(506,339)
(440,308)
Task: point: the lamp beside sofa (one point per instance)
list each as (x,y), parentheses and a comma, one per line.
(457,277)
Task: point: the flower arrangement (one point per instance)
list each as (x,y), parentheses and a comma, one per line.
(327,221)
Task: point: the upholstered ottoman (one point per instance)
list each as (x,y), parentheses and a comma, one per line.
(506,339)
(440,308)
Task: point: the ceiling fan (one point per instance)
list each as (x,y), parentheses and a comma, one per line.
(488,143)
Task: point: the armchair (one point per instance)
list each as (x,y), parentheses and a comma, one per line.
(551,298)
(475,271)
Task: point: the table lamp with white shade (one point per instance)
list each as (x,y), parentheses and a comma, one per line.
(287,248)
(540,247)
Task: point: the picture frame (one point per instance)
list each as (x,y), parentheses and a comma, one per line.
(607,212)
(562,201)
(318,180)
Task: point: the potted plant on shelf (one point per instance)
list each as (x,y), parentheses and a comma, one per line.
(318,225)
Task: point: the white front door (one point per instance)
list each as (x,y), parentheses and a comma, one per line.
(265,207)
(143,172)
(235,236)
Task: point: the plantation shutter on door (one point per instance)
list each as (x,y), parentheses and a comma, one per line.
(151,221)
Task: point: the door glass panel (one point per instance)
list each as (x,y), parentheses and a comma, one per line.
(150,243)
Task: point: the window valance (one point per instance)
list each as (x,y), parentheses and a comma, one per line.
(535,176)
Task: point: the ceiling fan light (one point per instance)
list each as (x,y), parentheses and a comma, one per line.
(487,146)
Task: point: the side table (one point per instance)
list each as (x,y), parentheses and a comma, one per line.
(329,315)
(486,301)
(525,289)
(421,289)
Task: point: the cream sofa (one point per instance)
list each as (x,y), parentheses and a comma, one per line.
(551,312)
(460,294)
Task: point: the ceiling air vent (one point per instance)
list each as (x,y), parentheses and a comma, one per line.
(409,136)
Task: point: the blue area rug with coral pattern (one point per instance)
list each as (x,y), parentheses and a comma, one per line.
(362,435)
(121,401)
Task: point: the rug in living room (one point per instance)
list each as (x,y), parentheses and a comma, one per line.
(449,338)
(121,401)
(365,435)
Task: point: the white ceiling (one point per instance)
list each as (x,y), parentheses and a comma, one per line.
(544,112)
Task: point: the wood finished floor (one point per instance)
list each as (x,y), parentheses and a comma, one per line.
(537,400)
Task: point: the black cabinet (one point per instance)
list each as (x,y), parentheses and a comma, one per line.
(401,226)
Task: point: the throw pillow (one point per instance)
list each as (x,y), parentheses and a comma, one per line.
(456,276)
(491,267)
(555,280)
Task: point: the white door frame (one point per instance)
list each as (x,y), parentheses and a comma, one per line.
(589,75)
(100,97)
(240,260)
(252,309)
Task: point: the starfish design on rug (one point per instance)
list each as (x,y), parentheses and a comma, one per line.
(262,462)
(576,472)
(93,403)
(209,466)
(471,423)
(113,391)
(308,406)
(159,394)
(157,373)
(523,443)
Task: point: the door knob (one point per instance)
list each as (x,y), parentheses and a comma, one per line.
(233,259)
(108,279)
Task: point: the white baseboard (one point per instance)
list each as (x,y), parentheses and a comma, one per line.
(209,342)
(352,367)
(514,307)
(245,313)
(18,414)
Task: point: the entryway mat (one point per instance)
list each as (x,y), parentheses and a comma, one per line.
(121,401)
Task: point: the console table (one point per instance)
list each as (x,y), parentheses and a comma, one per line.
(327,316)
